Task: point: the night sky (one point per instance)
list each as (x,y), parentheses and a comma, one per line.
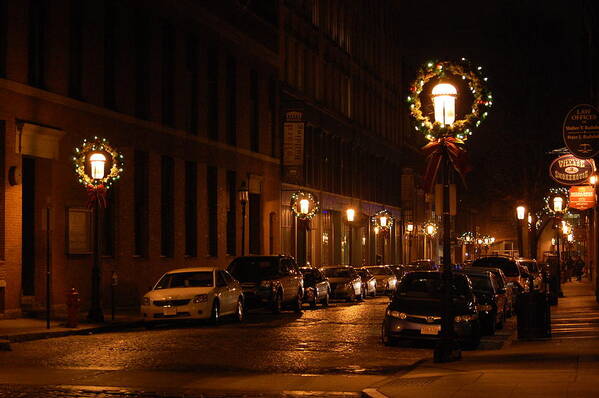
(536,55)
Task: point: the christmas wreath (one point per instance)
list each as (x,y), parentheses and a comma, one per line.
(296,199)
(114,161)
(376,220)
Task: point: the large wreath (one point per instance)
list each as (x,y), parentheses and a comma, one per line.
(462,128)
(376,220)
(114,161)
(553,192)
(314,205)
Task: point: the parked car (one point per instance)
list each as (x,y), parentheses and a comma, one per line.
(345,282)
(385,278)
(533,270)
(491,303)
(414,312)
(272,281)
(505,289)
(317,288)
(398,270)
(509,268)
(368,282)
(423,265)
(193,293)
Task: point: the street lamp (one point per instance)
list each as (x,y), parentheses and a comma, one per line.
(410,232)
(444,96)
(558,205)
(244,194)
(520,213)
(97,166)
(350,214)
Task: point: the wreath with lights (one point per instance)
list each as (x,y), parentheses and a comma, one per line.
(300,195)
(428,224)
(553,192)
(460,129)
(113,158)
(467,238)
(376,219)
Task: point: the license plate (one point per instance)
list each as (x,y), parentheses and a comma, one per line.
(169,311)
(434,329)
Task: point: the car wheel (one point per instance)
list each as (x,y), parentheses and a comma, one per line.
(277,302)
(239,313)
(297,306)
(326,299)
(352,296)
(215,313)
(385,338)
(362,295)
(313,303)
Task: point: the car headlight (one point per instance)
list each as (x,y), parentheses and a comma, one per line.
(200,298)
(397,314)
(485,307)
(465,318)
(146,301)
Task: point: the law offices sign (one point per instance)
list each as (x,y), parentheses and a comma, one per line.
(581,131)
(570,170)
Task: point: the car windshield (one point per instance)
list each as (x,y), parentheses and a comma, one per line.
(480,283)
(364,274)
(308,275)
(379,271)
(508,267)
(186,279)
(254,269)
(430,285)
(337,273)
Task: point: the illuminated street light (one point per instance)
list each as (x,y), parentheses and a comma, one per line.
(410,227)
(520,211)
(97,161)
(444,96)
(351,213)
(558,204)
(304,206)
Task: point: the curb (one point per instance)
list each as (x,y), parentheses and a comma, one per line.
(372,393)
(23,337)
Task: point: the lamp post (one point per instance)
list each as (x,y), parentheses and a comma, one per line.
(243,200)
(97,166)
(410,231)
(558,205)
(350,214)
(444,96)
(520,213)
(595,268)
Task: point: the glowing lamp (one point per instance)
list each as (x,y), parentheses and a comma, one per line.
(243,193)
(553,241)
(383,221)
(570,238)
(304,206)
(97,161)
(430,229)
(520,210)
(351,213)
(444,96)
(410,227)
(558,204)
(593,179)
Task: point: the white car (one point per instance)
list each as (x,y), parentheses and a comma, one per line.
(194,293)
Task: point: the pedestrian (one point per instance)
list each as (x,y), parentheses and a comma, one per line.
(578,268)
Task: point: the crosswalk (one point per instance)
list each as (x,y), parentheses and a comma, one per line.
(577,314)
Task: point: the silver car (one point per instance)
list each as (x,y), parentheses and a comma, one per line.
(385,278)
(345,282)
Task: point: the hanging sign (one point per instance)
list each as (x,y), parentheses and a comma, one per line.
(582,197)
(570,170)
(293,146)
(581,131)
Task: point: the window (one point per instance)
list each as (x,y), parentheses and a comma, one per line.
(37,38)
(212,186)
(231,116)
(231,213)
(111,22)
(75,45)
(142,69)
(168,74)
(212,93)
(140,202)
(254,112)
(191,209)
(192,68)
(272,108)
(167,206)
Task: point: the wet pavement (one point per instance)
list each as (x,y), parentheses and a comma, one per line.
(299,354)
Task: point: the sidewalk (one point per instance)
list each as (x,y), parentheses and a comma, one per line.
(26,329)
(565,366)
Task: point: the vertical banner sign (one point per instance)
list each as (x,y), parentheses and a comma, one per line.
(581,131)
(293,146)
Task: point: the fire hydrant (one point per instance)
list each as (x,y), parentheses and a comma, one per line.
(72,308)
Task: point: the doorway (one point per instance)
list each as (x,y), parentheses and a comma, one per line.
(28,228)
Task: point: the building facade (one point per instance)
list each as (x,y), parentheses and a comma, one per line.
(195,95)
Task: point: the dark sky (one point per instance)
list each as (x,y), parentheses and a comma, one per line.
(536,56)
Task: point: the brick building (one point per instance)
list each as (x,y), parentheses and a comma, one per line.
(194,95)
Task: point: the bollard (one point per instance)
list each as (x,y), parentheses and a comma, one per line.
(72,308)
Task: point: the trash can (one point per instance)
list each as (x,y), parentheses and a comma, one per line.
(534,315)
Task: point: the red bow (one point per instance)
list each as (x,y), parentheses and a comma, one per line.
(435,150)
(96,194)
